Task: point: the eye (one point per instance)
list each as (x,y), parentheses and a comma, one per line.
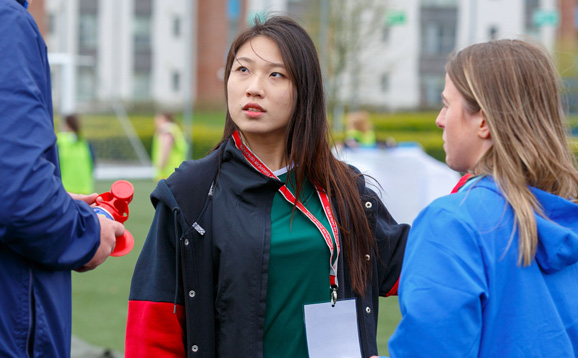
(241,69)
(278,75)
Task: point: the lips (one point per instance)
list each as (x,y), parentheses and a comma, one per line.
(253,107)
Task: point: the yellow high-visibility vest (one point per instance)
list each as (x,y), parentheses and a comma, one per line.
(76,164)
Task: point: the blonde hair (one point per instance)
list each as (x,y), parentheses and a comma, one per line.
(517,87)
(359,121)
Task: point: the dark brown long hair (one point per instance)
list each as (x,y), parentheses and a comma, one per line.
(307,139)
(73,122)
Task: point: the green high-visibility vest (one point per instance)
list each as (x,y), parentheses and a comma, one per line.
(177,155)
(364,139)
(76,164)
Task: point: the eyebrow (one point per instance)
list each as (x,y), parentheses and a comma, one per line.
(250,60)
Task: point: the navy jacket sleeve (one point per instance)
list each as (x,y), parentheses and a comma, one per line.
(38,219)
(391,239)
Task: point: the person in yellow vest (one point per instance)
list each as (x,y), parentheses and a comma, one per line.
(169,147)
(76,158)
(359,131)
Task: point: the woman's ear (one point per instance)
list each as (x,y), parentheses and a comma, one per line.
(484,128)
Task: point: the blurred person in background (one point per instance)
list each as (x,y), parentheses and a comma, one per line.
(230,265)
(491,271)
(76,157)
(359,131)
(169,148)
(44,232)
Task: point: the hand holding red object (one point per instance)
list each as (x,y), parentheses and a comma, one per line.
(114,206)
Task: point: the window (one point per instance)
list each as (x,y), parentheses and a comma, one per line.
(530,8)
(493,32)
(86,84)
(433,86)
(385,33)
(141,86)
(176,79)
(87,32)
(439,3)
(142,32)
(51,23)
(176,26)
(384,82)
(438,38)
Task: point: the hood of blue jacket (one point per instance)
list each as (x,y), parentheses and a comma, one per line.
(557,232)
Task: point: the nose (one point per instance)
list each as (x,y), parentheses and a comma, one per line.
(440,121)
(255,87)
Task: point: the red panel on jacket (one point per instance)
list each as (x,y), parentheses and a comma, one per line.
(154,330)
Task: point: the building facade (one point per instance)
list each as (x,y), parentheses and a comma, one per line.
(136,51)
(402,66)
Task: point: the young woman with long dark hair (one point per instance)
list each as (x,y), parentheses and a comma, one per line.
(232,251)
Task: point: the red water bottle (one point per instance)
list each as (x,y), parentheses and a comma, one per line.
(114,206)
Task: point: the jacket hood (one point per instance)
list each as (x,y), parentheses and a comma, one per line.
(557,233)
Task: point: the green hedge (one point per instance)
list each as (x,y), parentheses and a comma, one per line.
(110,143)
(107,135)
(416,127)
(406,122)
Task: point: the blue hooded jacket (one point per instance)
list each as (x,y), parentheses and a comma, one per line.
(463,294)
(44,234)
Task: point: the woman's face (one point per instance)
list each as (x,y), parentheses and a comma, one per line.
(463,132)
(260,94)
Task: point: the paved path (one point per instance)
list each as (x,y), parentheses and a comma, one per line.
(82,349)
(121,171)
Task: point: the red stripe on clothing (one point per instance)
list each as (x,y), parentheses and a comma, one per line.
(153,330)
(461,183)
(393,291)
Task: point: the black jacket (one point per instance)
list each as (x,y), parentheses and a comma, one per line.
(221,251)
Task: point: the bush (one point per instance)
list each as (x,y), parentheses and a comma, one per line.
(107,135)
(407,122)
(418,127)
(204,139)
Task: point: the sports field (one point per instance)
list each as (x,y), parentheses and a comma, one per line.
(99,297)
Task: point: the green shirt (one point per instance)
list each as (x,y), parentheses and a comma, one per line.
(298,273)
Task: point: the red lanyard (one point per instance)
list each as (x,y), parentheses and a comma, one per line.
(288,195)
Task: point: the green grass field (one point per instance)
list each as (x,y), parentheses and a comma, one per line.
(100,297)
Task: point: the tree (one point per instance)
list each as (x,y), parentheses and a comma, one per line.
(345,34)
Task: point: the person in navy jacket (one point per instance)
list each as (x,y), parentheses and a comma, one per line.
(44,232)
(492,270)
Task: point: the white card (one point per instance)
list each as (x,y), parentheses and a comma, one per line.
(332,331)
